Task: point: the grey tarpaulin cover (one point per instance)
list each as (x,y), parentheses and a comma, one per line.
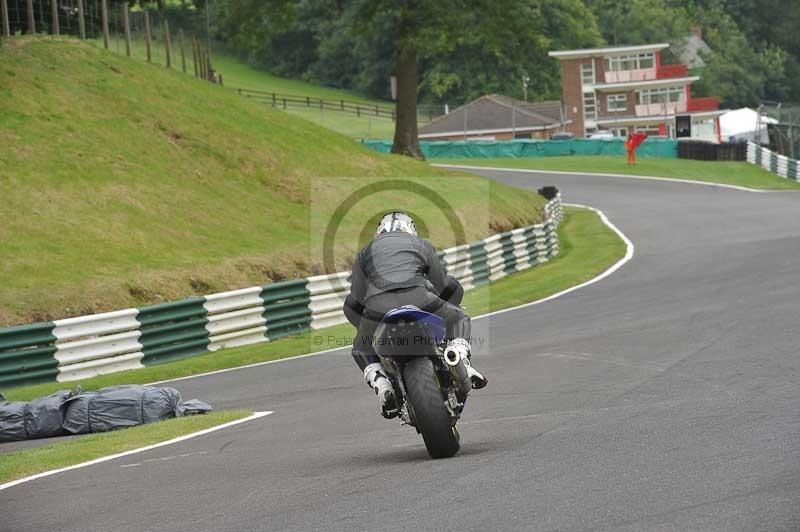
(121,406)
(67,412)
(41,418)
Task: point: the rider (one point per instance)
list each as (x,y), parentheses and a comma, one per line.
(399,268)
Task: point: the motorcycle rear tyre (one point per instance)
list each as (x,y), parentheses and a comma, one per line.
(430,413)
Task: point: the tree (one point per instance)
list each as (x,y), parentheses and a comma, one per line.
(641,21)
(770,27)
(740,73)
(482,63)
(427,29)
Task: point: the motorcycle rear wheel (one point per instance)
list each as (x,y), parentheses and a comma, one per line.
(430,413)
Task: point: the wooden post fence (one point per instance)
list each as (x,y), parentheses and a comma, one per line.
(54,27)
(167,42)
(126,24)
(116,30)
(194,57)
(81,21)
(148,39)
(104,9)
(200,71)
(200,55)
(183,53)
(31,20)
(6,25)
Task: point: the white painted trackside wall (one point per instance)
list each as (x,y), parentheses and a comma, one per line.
(327,294)
(88,346)
(235,318)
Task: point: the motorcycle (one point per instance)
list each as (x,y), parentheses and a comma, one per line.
(431,384)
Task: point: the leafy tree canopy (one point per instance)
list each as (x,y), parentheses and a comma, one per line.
(469,48)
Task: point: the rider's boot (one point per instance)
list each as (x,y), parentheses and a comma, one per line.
(461,346)
(376,379)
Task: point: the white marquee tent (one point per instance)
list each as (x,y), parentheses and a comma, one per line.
(743,124)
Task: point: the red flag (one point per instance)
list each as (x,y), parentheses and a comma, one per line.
(637,139)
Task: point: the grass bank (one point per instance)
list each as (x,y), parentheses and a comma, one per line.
(125,183)
(588,247)
(729,172)
(239,75)
(65,453)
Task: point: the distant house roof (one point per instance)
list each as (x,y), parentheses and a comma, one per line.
(495,113)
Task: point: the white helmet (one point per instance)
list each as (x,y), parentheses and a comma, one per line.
(396,221)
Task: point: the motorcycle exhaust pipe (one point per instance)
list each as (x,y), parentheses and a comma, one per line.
(452,357)
(458,370)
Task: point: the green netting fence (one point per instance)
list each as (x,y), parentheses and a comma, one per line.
(460,149)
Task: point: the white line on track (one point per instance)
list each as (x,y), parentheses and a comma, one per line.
(255,415)
(628,256)
(624,176)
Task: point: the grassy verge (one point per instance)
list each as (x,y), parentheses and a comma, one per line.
(125,184)
(348,124)
(729,172)
(26,462)
(235,73)
(239,75)
(588,247)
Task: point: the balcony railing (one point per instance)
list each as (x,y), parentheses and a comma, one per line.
(672,71)
(708,103)
(647,74)
(624,76)
(660,109)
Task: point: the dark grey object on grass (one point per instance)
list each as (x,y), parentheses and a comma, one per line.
(67,412)
(40,418)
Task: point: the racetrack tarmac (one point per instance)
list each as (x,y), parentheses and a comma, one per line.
(663,398)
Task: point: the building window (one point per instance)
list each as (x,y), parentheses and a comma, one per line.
(587,73)
(646,60)
(617,103)
(589,131)
(661,95)
(619,132)
(630,62)
(589,107)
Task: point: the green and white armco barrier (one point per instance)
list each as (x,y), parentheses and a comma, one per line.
(773,162)
(86,346)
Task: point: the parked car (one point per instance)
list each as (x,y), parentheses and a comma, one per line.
(602,134)
(562,136)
